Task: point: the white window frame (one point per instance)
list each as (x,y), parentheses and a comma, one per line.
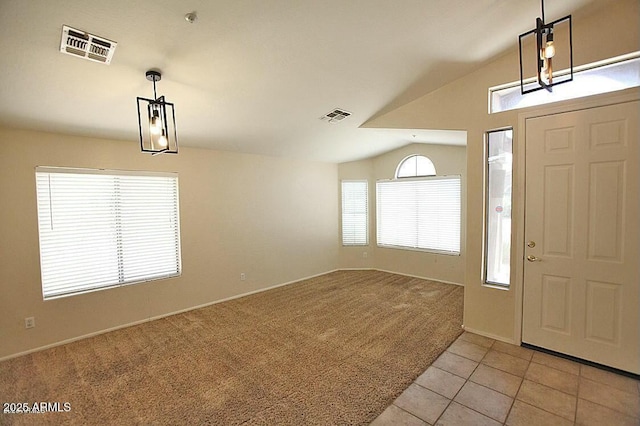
(404,227)
(100,229)
(497,218)
(421,161)
(355,212)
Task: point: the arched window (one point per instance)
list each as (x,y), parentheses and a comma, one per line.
(415,166)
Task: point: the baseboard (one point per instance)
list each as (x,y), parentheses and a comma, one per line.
(73,339)
(356,269)
(490,336)
(204,305)
(418,276)
(131,324)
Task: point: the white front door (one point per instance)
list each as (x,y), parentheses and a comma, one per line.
(581,279)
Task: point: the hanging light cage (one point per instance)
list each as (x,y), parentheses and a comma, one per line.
(157,122)
(550,50)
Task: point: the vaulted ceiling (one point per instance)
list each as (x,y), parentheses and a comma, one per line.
(252,75)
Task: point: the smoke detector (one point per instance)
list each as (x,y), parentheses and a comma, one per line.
(88,46)
(335,116)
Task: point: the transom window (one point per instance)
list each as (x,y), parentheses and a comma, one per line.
(601,77)
(415,166)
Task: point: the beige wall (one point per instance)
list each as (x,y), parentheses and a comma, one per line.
(448,160)
(606,30)
(273,219)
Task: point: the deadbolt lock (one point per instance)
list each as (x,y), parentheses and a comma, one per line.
(531,244)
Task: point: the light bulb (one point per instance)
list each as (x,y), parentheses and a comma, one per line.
(544,73)
(162,140)
(156,124)
(549,50)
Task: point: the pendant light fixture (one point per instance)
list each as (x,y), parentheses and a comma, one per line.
(157,121)
(547,48)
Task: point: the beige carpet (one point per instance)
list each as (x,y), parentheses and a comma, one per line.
(336,349)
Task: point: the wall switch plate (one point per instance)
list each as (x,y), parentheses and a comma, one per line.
(242,276)
(365,254)
(29,322)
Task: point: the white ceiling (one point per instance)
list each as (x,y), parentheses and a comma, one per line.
(252,75)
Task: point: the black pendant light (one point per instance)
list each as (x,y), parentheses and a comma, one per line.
(157,121)
(547,49)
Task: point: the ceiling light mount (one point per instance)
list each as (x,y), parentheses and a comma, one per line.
(191,17)
(156,121)
(153,75)
(547,51)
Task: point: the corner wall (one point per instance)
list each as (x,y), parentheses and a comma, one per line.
(273,219)
(462,105)
(448,160)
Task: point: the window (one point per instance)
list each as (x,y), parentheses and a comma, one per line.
(355,209)
(420,213)
(498,207)
(615,74)
(102,229)
(415,165)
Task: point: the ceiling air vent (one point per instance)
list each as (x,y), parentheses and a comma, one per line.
(335,116)
(85,45)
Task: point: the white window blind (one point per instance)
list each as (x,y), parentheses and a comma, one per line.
(355,217)
(422,213)
(105,228)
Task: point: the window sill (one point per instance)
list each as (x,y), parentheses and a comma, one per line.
(497,286)
(431,251)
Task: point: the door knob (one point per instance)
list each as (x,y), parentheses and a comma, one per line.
(532,258)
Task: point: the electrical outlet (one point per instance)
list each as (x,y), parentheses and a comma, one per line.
(365,254)
(242,276)
(29,322)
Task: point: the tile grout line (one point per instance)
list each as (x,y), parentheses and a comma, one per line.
(554,389)
(542,384)
(465,379)
(465,382)
(597,403)
(530,361)
(523,378)
(402,409)
(513,400)
(453,397)
(575,415)
(517,392)
(468,379)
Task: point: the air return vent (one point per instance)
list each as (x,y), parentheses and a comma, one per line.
(335,116)
(85,45)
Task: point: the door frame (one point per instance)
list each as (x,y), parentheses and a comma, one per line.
(519,196)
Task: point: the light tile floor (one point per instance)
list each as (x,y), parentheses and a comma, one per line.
(481,381)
